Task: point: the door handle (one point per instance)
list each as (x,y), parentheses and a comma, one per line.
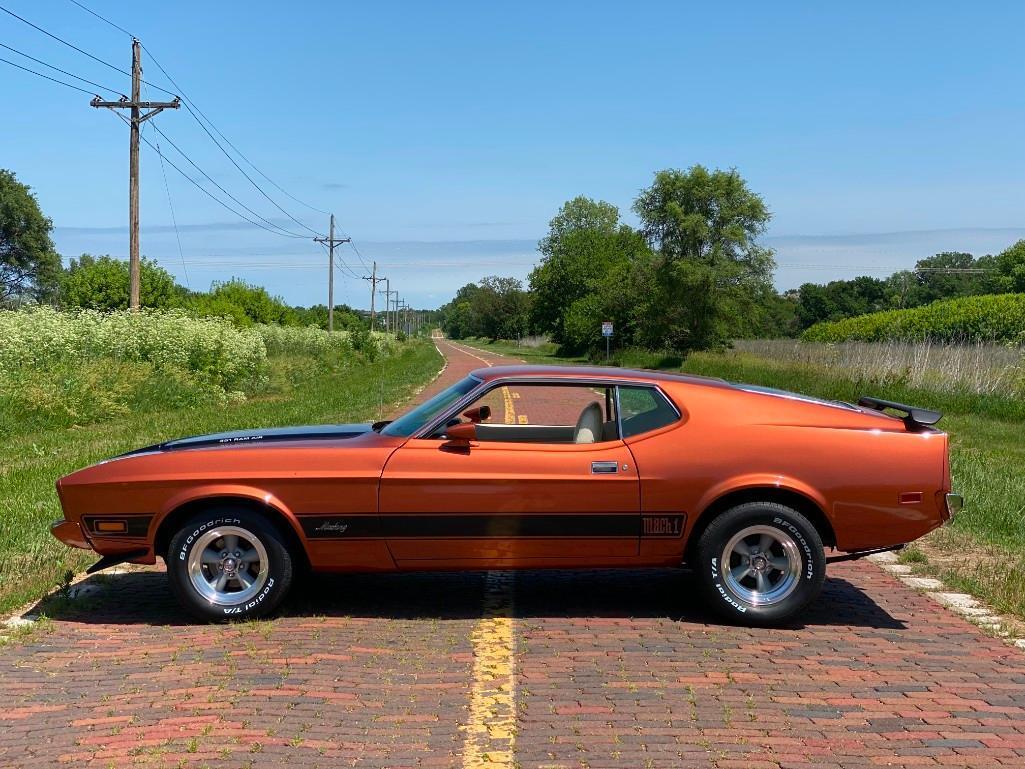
(604,468)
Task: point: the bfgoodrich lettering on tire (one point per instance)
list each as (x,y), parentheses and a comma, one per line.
(760,563)
(229,564)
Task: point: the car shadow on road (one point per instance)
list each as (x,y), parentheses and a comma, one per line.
(143,597)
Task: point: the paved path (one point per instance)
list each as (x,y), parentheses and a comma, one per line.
(580,669)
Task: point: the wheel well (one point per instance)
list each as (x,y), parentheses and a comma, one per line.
(179,515)
(802,504)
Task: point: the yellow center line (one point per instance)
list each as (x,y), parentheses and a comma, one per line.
(510,407)
(490,731)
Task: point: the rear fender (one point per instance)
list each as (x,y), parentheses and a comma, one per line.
(762,481)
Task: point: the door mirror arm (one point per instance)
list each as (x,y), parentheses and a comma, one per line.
(459,436)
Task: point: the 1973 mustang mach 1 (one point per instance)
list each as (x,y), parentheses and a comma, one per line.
(530,467)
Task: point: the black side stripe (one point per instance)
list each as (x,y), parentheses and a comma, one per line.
(478,526)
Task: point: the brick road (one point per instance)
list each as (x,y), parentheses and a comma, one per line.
(603,668)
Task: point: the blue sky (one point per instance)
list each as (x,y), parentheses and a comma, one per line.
(445,136)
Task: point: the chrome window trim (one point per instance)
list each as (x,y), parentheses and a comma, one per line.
(478,392)
(771,392)
(619,416)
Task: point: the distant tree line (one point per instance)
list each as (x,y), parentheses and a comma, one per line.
(31,272)
(101,283)
(692,276)
(943,276)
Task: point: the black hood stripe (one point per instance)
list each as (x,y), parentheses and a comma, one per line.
(268,435)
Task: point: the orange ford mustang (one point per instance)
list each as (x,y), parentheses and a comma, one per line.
(530,467)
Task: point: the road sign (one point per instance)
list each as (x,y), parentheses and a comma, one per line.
(606,328)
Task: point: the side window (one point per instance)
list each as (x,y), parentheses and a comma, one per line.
(544,413)
(644,409)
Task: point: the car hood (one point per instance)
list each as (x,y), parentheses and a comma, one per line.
(260,435)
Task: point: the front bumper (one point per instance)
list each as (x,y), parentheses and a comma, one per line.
(953,504)
(70,533)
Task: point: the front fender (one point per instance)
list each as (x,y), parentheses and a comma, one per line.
(225,491)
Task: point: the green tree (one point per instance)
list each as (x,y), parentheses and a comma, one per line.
(345,317)
(1010,268)
(841,299)
(933,282)
(458,319)
(585,246)
(244,303)
(709,272)
(30,267)
(500,307)
(612,297)
(101,283)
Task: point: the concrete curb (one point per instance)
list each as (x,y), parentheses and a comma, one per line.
(968,606)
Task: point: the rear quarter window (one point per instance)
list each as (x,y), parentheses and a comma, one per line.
(643,409)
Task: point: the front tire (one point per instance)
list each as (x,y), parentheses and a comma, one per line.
(760,563)
(229,564)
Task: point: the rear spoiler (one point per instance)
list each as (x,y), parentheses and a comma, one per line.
(913,417)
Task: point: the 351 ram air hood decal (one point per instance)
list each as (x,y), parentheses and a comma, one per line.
(263,435)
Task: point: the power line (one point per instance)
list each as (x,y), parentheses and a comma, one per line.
(103,19)
(358,254)
(218,186)
(340,265)
(46,77)
(174,219)
(228,141)
(74,47)
(207,192)
(193,110)
(62,71)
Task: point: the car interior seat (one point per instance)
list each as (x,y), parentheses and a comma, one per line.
(589,425)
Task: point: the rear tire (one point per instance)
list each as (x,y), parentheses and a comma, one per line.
(760,563)
(229,564)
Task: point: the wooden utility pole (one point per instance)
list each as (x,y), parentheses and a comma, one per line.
(374,280)
(386,293)
(390,321)
(138,117)
(331,241)
(405,315)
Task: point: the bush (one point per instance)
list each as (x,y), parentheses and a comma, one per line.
(337,347)
(310,340)
(210,348)
(992,318)
(64,368)
(101,283)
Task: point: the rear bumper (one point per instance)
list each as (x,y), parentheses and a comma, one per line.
(70,533)
(952,505)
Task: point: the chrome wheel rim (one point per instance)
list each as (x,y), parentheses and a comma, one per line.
(762,565)
(228,565)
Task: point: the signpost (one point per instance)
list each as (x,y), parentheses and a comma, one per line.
(606,331)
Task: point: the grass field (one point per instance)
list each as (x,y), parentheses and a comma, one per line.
(299,389)
(983,552)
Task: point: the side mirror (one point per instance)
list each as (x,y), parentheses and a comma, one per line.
(461,434)
(479,414)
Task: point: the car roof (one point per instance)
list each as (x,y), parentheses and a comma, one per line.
(591,372)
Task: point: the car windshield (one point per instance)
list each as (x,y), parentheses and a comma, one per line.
(409,423)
